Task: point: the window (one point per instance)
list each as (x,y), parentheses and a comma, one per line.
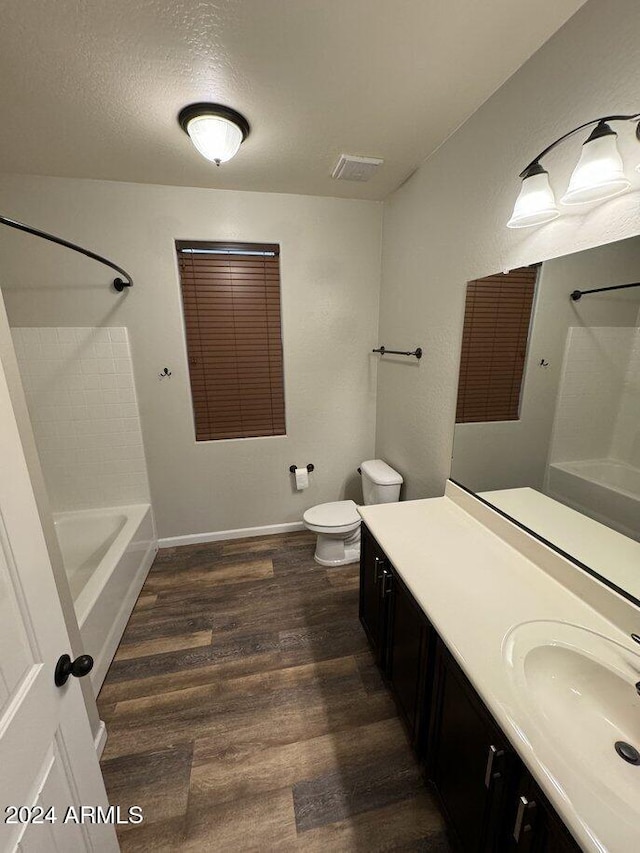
(494,346)
(231,303)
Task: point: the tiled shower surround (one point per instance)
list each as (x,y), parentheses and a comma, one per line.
(598,406)
(82,401)
(626,436)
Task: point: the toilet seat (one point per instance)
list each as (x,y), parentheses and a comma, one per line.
(333,517)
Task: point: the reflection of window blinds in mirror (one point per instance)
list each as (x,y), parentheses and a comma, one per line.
(494,346)
(231,302)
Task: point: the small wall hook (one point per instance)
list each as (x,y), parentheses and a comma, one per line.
(165,373)
(543,363)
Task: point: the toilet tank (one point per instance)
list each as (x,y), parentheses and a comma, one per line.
(380,482)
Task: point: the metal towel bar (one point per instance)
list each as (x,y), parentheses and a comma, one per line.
(578,294)
(384,351)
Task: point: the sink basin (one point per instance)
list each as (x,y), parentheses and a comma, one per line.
(576,690)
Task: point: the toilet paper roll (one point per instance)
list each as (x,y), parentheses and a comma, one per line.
(302,478)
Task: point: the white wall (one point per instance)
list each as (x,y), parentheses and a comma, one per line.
(446,224)
(82,403)
(509,454)
(330,270)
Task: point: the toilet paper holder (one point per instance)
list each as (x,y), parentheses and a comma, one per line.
(310,468)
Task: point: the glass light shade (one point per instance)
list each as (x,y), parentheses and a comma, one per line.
(536,203)
(599,173)
(215,137)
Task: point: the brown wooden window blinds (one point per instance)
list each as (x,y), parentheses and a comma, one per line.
(231,302)
(494,345)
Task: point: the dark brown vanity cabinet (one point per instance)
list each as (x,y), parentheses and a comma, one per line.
(490,801)
(488,796)
(398,631)
(469,760)
(409,643)
(375,590)
(532,824)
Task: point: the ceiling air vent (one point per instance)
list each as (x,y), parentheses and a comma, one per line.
(351,168)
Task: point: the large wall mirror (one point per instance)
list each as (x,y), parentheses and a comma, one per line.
(548,417)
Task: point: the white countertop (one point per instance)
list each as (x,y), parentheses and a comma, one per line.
(614,556)
(475,589)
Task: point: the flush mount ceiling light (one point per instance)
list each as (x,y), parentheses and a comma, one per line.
(598,175)
(216,131)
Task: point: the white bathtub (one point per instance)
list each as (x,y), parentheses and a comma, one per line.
(604,489)
(107,554)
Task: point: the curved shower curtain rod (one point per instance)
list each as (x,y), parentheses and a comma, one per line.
(118,283)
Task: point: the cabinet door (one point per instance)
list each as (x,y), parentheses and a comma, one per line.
(469,761)
(373,603)
(409,633)
(532,824)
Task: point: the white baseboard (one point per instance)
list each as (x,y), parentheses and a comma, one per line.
(100,739)
(240,533)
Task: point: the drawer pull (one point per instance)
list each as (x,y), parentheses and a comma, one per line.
(378,563)
(387,581)
(494,755)
(526,809)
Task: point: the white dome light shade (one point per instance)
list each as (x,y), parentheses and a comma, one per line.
(216,138)
(536,203)
(216,131)
(600,171)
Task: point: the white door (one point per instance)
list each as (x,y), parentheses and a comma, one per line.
(48,760)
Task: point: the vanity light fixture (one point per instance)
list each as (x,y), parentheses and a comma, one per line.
(598,175)
(536,203)
(216,131)
(600,170)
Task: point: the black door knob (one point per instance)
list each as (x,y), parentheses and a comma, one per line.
(65,667)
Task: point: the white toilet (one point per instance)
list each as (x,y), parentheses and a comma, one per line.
(338,523)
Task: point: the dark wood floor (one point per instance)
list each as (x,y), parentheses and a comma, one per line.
(244,711)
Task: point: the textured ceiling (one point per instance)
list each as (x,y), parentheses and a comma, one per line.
(92,88)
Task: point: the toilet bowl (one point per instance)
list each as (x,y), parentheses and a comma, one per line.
(337,524)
